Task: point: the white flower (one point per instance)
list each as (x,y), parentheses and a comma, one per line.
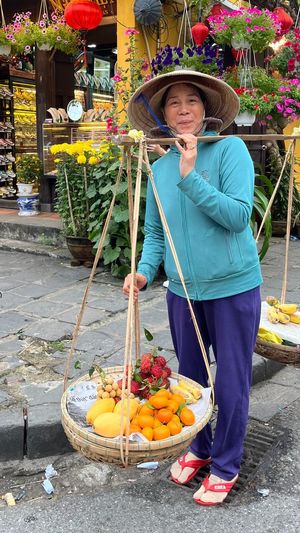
(136,135)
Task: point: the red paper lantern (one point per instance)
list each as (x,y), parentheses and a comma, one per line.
(216,10)
(285,20)
(199,32)
(83,15)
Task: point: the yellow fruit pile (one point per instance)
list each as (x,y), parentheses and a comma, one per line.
(283,313)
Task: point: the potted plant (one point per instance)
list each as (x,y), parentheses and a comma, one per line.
(280,204)
(77,193)
(5,37)
(287,59)
(245,28)
(200,58)
(53,32)
(29,170)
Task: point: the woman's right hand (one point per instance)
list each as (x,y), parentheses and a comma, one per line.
(140,282)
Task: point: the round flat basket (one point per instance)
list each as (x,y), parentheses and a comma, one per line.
(107,450)
(288,355)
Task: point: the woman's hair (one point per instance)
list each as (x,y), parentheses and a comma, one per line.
(200,93)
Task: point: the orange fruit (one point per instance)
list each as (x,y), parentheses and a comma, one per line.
(173,405)
(174,427)
(178,398)
(162,432)
(135,420)
(146,410)
(176,419)
(163,392)
(159,401)
(187,416)
(157,423)
(134,428)
(164,415)
(148,433)
(146,420)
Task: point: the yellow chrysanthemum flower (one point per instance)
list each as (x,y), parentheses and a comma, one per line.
(93,160)
(81,159)
(136,135)
(57,160)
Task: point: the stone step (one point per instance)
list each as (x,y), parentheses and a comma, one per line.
(44,229)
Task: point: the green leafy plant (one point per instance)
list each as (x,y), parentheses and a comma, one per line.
(280,204)
(262,193)
(117,248)
(55,33)
(29,168)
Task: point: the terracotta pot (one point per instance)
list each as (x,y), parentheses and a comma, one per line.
(278,228)
(82,251)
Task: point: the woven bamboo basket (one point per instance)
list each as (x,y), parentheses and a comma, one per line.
(288,355)
(107,450)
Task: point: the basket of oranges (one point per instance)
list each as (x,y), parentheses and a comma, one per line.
(161,426)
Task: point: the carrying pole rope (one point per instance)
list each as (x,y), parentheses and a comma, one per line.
(179,270)
(130,210)
(288,222)
(92,274)
(126,380)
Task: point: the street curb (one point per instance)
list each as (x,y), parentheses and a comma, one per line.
(34,248)
(45,435)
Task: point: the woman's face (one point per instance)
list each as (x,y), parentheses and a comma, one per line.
(184,109)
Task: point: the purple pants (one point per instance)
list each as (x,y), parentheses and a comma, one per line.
(230,326)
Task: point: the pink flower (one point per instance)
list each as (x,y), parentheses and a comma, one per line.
(117,78)
(131,31)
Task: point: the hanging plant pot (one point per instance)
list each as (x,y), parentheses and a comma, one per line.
(245,119)
(28,205)
(5,49)
(45,47)
(239,43)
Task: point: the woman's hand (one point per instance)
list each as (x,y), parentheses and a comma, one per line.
(156,148)
(188,153)
(140,282)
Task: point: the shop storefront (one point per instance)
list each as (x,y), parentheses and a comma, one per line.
(36,89)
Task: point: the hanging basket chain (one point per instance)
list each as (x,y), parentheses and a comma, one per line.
(43,10)
(126,380)
(288,222)
(179,270)
(92,274)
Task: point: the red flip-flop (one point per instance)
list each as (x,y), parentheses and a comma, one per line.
(215,487)
(196,464)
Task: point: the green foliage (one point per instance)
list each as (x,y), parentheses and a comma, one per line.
(117,248)
(262,193)
(29,168)
(280,205)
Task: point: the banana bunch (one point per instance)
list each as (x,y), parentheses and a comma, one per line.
(190,393)
(283,313)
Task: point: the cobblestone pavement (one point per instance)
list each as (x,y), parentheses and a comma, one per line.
(41,298)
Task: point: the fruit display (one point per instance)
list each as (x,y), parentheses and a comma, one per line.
(282,313)
(150,374)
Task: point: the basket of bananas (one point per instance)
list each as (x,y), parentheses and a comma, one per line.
(284,321)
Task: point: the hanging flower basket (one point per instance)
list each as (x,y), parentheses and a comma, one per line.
(256,26)
(240,43)
(246,118)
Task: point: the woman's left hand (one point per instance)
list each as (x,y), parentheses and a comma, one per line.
(188,153)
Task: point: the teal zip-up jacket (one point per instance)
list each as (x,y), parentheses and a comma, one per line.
(208,213)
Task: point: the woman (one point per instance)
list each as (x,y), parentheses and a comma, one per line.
(206,190)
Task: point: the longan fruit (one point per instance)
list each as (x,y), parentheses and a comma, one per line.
(108,388)
(113,393)
(105,395)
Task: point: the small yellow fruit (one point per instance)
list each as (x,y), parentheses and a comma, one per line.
(287,309)
(133,407)
(273,315)
(99,407)
(283,318)
(109,425)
